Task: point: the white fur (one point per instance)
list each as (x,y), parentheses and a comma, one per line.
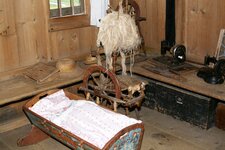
(118,32)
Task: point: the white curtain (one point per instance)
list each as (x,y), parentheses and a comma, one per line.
(98,11)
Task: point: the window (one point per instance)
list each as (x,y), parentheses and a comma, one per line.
(60,8)
(65,14)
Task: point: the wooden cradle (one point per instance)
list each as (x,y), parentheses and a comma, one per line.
(128,138)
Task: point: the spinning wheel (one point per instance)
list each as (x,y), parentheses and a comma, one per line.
(100,85)
(131,7)
(105,88)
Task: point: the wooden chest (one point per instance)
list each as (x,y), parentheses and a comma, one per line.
(184,105)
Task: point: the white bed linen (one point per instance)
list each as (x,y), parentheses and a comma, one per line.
(83,118)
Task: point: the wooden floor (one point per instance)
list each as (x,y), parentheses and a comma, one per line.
(162,132)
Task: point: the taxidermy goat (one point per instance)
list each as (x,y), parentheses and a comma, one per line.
(118,33)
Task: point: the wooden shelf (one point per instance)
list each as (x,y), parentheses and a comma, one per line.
(20,87)
(189,81)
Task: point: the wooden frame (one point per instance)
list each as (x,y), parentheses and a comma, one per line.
(68,11)
(70,22)
(220,50)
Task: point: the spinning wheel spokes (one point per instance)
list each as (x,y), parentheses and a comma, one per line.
(100,81)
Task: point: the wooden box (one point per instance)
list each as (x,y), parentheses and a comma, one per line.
(129,137)
(184,105)
(220,116)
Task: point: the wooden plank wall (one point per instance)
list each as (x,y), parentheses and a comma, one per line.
(198,23)
(73,43)
(153,28)
(8,38)
(203,21)
(22,42)
(25,39)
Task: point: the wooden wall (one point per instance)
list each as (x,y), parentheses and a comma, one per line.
(200,29)
(25,39)
(73,43)
(153,28)
(198,23)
